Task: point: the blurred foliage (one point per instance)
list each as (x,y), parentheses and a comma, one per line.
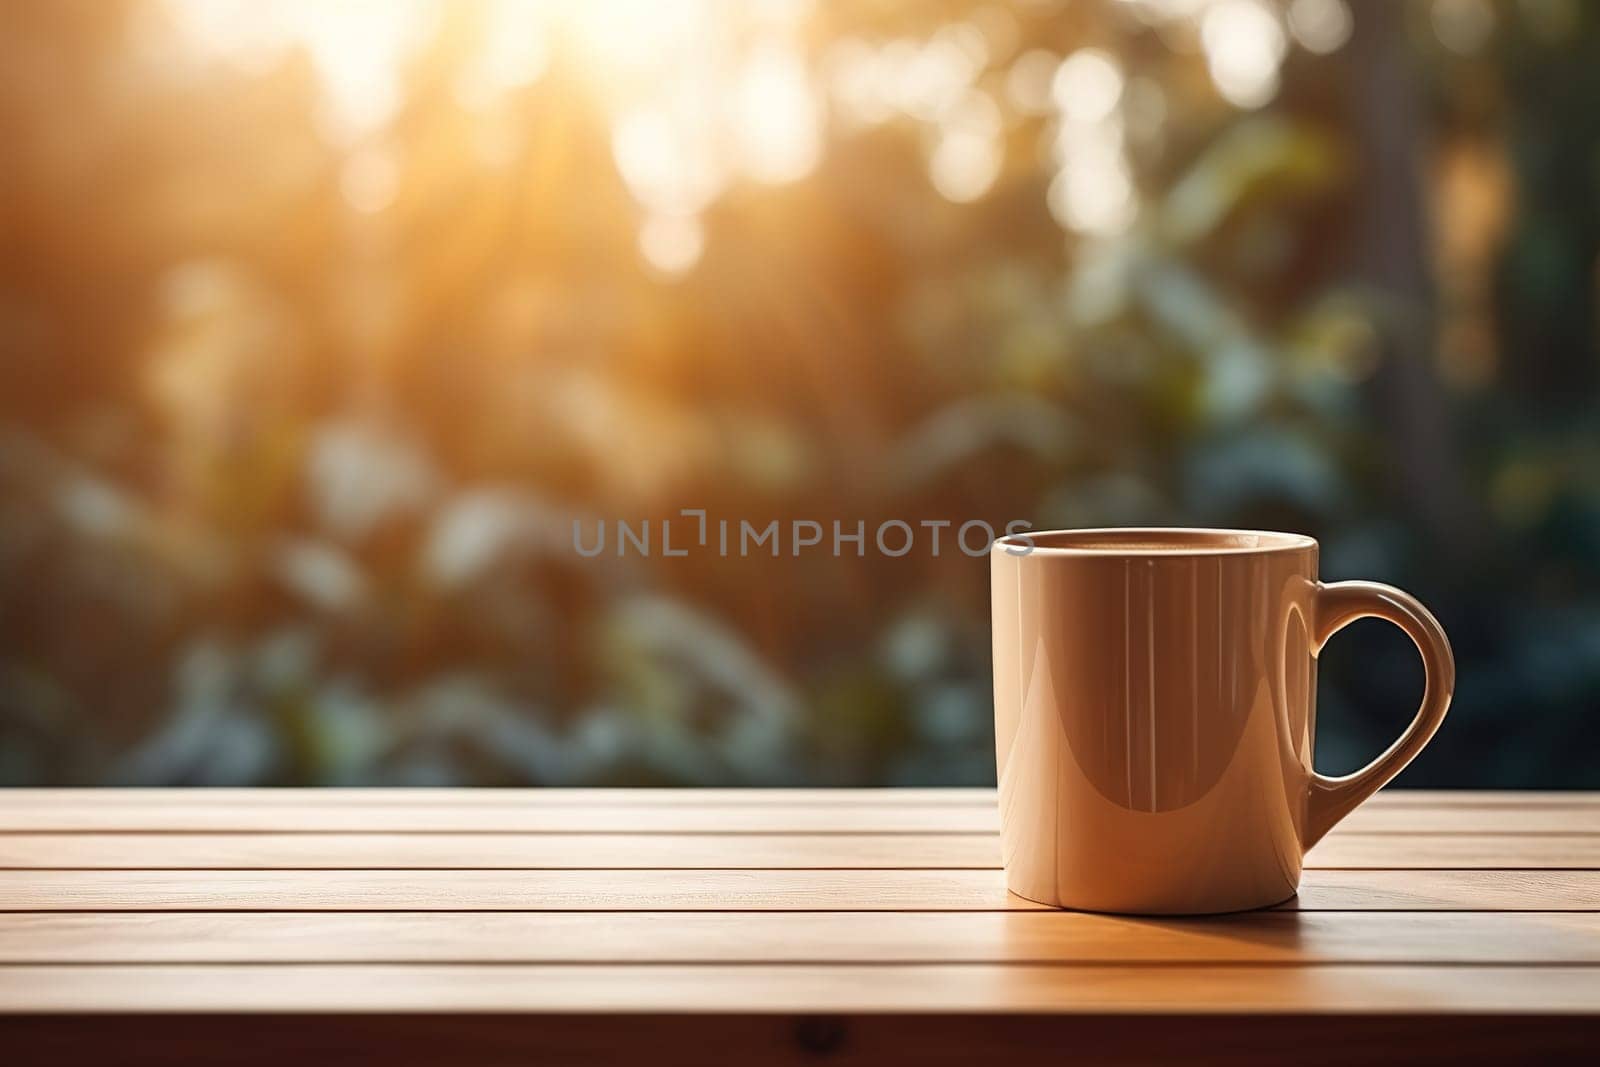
(294,420)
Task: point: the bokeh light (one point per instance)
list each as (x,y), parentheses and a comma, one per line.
(671,243)
(967,157)
(1087,85)
(322,321)
(1320,26)
(1463,26)
(778,121)
(1030,79)
(1244,46)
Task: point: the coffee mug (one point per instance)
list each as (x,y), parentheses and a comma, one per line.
(1154,698)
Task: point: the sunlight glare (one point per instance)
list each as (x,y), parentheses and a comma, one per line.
(667,163)
(697,93)
(620,39)
(514,51)
(357,47)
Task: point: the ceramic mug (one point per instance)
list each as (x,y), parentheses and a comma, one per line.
(1155,695)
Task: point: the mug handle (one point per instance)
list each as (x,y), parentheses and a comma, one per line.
(1335,606)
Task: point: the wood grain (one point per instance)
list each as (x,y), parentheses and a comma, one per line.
(800,988)
(788,903)
(1342,848)
(390,890)
(801,937)
(578,890)
(206,815)
(651,851)
(514,851)
(175,817)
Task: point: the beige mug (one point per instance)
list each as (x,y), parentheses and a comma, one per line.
(1155,694)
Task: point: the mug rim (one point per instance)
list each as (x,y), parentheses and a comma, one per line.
(1181,541)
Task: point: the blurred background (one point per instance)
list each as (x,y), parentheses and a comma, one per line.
(321,321)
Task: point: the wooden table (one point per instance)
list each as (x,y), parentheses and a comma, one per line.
(759,927)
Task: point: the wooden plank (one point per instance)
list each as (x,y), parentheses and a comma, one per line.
(1017,937)
(1549,818)
(1423,851)
(1429,890)
(563,851)
(1486,798)
(612,890)
(466,890)
(195,814)
(512,851)
(799,988)
(664,851)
